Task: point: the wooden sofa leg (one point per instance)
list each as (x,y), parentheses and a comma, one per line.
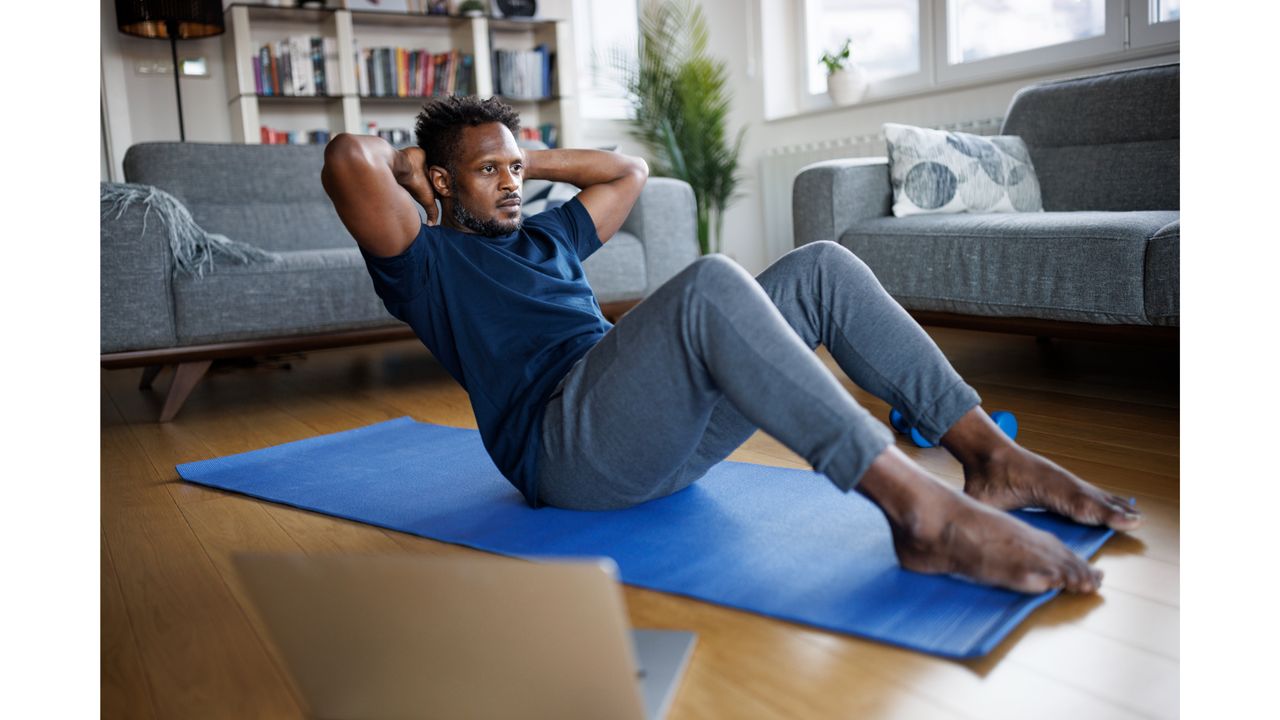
(149,376)
(185,379)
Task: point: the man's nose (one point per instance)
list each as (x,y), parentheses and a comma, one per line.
(509,181)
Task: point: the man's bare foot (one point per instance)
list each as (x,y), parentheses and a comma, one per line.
(1007,476)
(938,530)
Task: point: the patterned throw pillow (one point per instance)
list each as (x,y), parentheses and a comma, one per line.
(539,195)
(935,171)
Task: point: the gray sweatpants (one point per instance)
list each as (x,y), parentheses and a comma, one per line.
(690,373)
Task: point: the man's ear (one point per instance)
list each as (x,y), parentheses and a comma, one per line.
(439,178)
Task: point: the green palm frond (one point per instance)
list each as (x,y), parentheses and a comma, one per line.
(682,104)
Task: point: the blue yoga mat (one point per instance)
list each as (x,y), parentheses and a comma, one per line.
(775,541)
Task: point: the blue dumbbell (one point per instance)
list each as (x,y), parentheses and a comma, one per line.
(1003,419)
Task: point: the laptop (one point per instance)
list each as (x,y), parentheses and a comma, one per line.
(462,637)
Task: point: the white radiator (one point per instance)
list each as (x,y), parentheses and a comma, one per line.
(780,165)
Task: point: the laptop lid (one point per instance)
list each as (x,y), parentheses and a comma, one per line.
(450,637)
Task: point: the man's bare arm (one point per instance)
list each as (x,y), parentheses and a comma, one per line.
(611,182)
(373,187)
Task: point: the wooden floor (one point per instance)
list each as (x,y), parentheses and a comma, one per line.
(177,641)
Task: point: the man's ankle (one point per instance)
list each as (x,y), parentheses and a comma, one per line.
(901,489)
(975,440)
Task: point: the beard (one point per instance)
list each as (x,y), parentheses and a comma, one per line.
(489,228)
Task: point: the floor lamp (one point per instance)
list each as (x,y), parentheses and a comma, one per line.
(172,20)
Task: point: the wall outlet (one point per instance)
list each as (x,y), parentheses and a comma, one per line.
(191,67)
(153,67)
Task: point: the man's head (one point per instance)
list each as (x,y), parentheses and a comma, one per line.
(473,162)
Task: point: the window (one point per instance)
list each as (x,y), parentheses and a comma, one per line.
(602,30)
(911,46)
(981,29)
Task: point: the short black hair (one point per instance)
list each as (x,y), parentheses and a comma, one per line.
(441,121)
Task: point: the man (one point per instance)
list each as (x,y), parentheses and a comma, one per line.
(578,413)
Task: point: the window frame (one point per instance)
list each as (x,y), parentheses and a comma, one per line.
(1145,31)
(1127,35)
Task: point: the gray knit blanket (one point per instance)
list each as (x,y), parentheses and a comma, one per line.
(194,249)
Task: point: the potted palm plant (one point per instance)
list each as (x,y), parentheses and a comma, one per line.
(845,82)
(681,99)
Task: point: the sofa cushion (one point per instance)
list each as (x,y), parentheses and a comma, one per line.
(307,291)
(1162,281)
(617,270)
(1080,266)
(1103,142)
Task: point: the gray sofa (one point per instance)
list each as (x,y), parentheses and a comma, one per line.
(313,291)
(1101,261)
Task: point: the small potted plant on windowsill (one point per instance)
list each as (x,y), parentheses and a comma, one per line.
(472,8)
(845,82)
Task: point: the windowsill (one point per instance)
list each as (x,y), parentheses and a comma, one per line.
(1170,50)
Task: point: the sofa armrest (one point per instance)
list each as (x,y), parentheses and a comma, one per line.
(666,222)
(828,197)
(136,275)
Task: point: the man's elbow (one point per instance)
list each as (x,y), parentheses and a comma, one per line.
(640,167)
(637,170)
(343,148)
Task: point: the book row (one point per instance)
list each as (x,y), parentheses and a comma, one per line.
(297,65)
(308,66)
(402,72)
(399,137)
(272,136)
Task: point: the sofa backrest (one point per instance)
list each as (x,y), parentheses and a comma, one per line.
(1104,142)
(267,195)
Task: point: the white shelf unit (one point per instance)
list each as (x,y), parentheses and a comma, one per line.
(249,27)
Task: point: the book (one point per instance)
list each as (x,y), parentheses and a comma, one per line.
(317,65)
(301,65)
(333,84)
(286,70)
(274,73)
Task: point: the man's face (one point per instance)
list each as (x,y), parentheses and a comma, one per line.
(486,180)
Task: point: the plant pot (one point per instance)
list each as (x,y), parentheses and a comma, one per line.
(847,86)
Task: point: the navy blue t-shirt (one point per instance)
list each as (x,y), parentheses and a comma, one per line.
(506,316)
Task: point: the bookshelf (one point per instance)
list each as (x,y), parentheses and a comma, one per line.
(344,109)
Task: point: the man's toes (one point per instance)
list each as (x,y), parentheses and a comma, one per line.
(1037,581)
(1073,576)
(1085,578)
(1088,508)
(1122,516)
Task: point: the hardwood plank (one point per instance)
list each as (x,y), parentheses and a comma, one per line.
(839,666)
(1131,678)
(123,685)
(1128,458)
(202,657)
(1138,574)
(232,524)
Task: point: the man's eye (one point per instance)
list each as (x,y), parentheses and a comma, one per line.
(487,169)
(517,168)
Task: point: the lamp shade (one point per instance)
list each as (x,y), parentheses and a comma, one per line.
(153,18)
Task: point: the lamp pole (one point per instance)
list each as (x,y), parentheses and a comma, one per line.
(171,26)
